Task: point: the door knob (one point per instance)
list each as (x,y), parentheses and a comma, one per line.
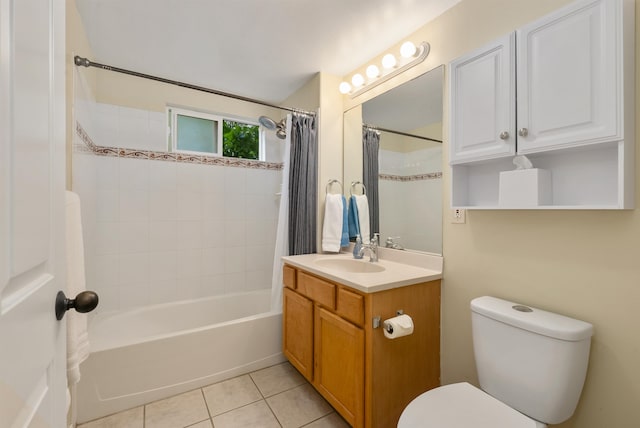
(504,135)
(84,302)
(523,132)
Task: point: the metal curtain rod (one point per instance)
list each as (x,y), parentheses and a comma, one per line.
(401,133)
(79,61)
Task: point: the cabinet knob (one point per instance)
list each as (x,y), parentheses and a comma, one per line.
(504,135)
(523,132)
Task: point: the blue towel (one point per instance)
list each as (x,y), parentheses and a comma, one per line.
(344,242)
(354,226)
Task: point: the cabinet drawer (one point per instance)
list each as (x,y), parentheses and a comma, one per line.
(319,290)
(289,276)
(350,305)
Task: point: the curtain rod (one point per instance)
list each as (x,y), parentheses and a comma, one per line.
(79,61)
(401,133)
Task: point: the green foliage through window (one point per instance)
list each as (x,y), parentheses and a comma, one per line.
(240,140)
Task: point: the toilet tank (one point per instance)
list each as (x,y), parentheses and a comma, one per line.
(532,360)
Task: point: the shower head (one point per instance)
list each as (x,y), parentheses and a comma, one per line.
(267,122)
(281,132)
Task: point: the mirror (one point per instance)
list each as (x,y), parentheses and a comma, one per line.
(409,120)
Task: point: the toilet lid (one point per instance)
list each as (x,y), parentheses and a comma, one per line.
(461,405)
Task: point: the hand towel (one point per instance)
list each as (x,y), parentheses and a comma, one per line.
(77,337)
(344,242)
(363,217)
(354,227)
(332,226)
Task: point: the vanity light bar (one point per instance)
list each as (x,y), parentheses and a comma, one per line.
(414,55)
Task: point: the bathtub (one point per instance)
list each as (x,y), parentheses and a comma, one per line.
(142,355)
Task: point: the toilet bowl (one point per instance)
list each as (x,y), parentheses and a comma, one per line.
(531,366)
(462,405)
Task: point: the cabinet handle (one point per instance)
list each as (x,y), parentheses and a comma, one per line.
(504,135)
(523,132)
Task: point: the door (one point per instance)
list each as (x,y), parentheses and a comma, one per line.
(32,225)
(570,78)
(297,337)
(482,103)
(339,365)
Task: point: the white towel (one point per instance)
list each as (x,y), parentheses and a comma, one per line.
(363,217)
(77,337)
(332,226)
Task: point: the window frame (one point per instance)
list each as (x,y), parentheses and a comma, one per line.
(172,144)
(174,112)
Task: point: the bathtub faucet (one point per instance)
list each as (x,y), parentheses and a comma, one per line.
(372,246)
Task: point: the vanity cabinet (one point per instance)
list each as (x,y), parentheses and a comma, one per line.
(329,336)
(558,90)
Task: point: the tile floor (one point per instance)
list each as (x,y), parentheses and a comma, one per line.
(275,397)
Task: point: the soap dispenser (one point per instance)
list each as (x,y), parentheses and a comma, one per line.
(357,248)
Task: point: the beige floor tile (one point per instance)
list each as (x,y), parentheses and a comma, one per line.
(133,418)
(255,415)
(298,406)
(333,420)
(178,411)
(203,424)
(231,394)
(276,379)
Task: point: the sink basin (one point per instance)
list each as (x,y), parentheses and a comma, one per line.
(350,265)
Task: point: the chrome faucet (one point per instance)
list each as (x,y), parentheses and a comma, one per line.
(391,243)
(372,246)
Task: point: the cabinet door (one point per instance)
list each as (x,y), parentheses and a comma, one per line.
(482,103)
(570,77)
(297,340)
(339,365)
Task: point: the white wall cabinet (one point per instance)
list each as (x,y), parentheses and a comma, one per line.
(483,102)
(574,101)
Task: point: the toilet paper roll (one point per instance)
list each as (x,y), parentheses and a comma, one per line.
(399,326)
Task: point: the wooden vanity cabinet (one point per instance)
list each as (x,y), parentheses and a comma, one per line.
(328,335)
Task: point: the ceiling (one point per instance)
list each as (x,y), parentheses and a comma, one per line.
(262,49)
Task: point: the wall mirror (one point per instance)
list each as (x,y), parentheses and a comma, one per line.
(408,118)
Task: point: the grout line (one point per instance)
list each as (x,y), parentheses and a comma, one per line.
(273,413)
(206,405)
(256,385)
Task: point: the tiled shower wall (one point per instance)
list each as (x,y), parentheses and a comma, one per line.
(410,190)
(158,231)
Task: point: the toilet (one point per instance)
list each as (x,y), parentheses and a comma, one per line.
(531,368)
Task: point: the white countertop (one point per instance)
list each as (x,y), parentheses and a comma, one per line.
(425,267)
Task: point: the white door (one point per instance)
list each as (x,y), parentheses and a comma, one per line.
(570,77)
(32,162)
(482,103)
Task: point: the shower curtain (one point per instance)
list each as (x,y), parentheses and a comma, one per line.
(296,233)
(303,185)
(370,151)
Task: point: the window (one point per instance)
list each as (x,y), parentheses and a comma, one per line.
(205,133)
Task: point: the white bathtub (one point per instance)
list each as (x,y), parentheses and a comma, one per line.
(151,353)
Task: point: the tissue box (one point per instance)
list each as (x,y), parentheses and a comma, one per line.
(525,188)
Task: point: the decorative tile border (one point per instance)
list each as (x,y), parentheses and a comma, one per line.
(417,177)
(90,147)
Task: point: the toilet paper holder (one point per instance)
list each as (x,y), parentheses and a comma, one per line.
(378,318)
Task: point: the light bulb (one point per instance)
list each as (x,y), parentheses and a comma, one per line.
(357,80)
(373,71)
(408,49)
(344,88)
(388,61)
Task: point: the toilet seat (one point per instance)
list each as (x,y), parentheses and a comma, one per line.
(461,405)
